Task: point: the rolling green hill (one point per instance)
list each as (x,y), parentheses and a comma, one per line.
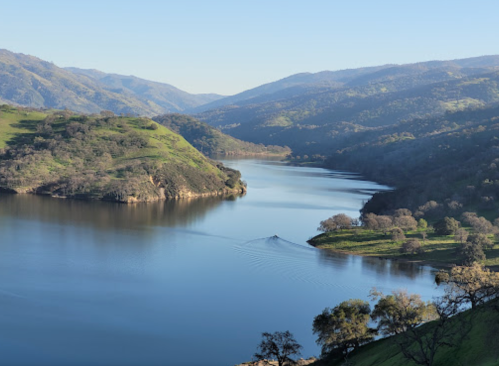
(211,141)
(105,157)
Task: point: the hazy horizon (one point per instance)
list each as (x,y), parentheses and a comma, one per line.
(224,47)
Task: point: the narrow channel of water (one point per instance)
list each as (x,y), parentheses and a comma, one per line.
(181,283)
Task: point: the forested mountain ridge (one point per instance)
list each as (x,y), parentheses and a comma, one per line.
(29,81)
(211,141)
(307,119)
(442,165)
(350,77)
(299,81)
(121,159)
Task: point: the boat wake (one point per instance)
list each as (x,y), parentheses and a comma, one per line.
(276,256)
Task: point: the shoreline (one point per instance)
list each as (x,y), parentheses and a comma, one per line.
(185,195)
(421,262)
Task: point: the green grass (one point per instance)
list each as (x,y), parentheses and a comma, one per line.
(480,348)
(438,250)
(10,126)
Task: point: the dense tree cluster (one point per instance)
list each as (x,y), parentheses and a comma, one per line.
(449,167)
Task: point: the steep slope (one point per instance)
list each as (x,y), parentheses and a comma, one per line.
(211,141)
(478,349)
(28,81)
(111,158)
(451,160)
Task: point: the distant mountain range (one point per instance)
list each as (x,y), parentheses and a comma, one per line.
(28,81)
(309,112)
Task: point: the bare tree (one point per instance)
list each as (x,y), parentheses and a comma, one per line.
(420,344)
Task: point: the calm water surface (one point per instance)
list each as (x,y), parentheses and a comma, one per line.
(180,283)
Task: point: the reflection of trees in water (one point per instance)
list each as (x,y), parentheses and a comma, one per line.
(104,215)
(393,267)
(379,266)
(339,260)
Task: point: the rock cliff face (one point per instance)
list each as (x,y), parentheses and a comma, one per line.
(119,159)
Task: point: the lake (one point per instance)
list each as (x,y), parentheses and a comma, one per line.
(181,283)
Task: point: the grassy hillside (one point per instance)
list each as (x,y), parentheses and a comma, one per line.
(103,157)
(29,81)
(479,349)
(211,141)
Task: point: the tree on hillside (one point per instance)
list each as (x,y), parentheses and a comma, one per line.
(384,223)
(471,253)
(343,328)
(474,284)
(481,225)
(369,221)
(405,222)
(402,212)
(422,224)
(420,344)
(400,311)
(461,235)
(468,217)
(411,246)
(481,240)
(278,345)
(398,234)
(446,226)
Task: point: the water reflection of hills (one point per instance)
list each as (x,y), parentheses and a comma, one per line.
(374,265)
(104,215)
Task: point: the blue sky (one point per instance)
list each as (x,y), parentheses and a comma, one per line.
(230,46)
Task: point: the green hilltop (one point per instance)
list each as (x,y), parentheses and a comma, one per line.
(211,141)
(103,157)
